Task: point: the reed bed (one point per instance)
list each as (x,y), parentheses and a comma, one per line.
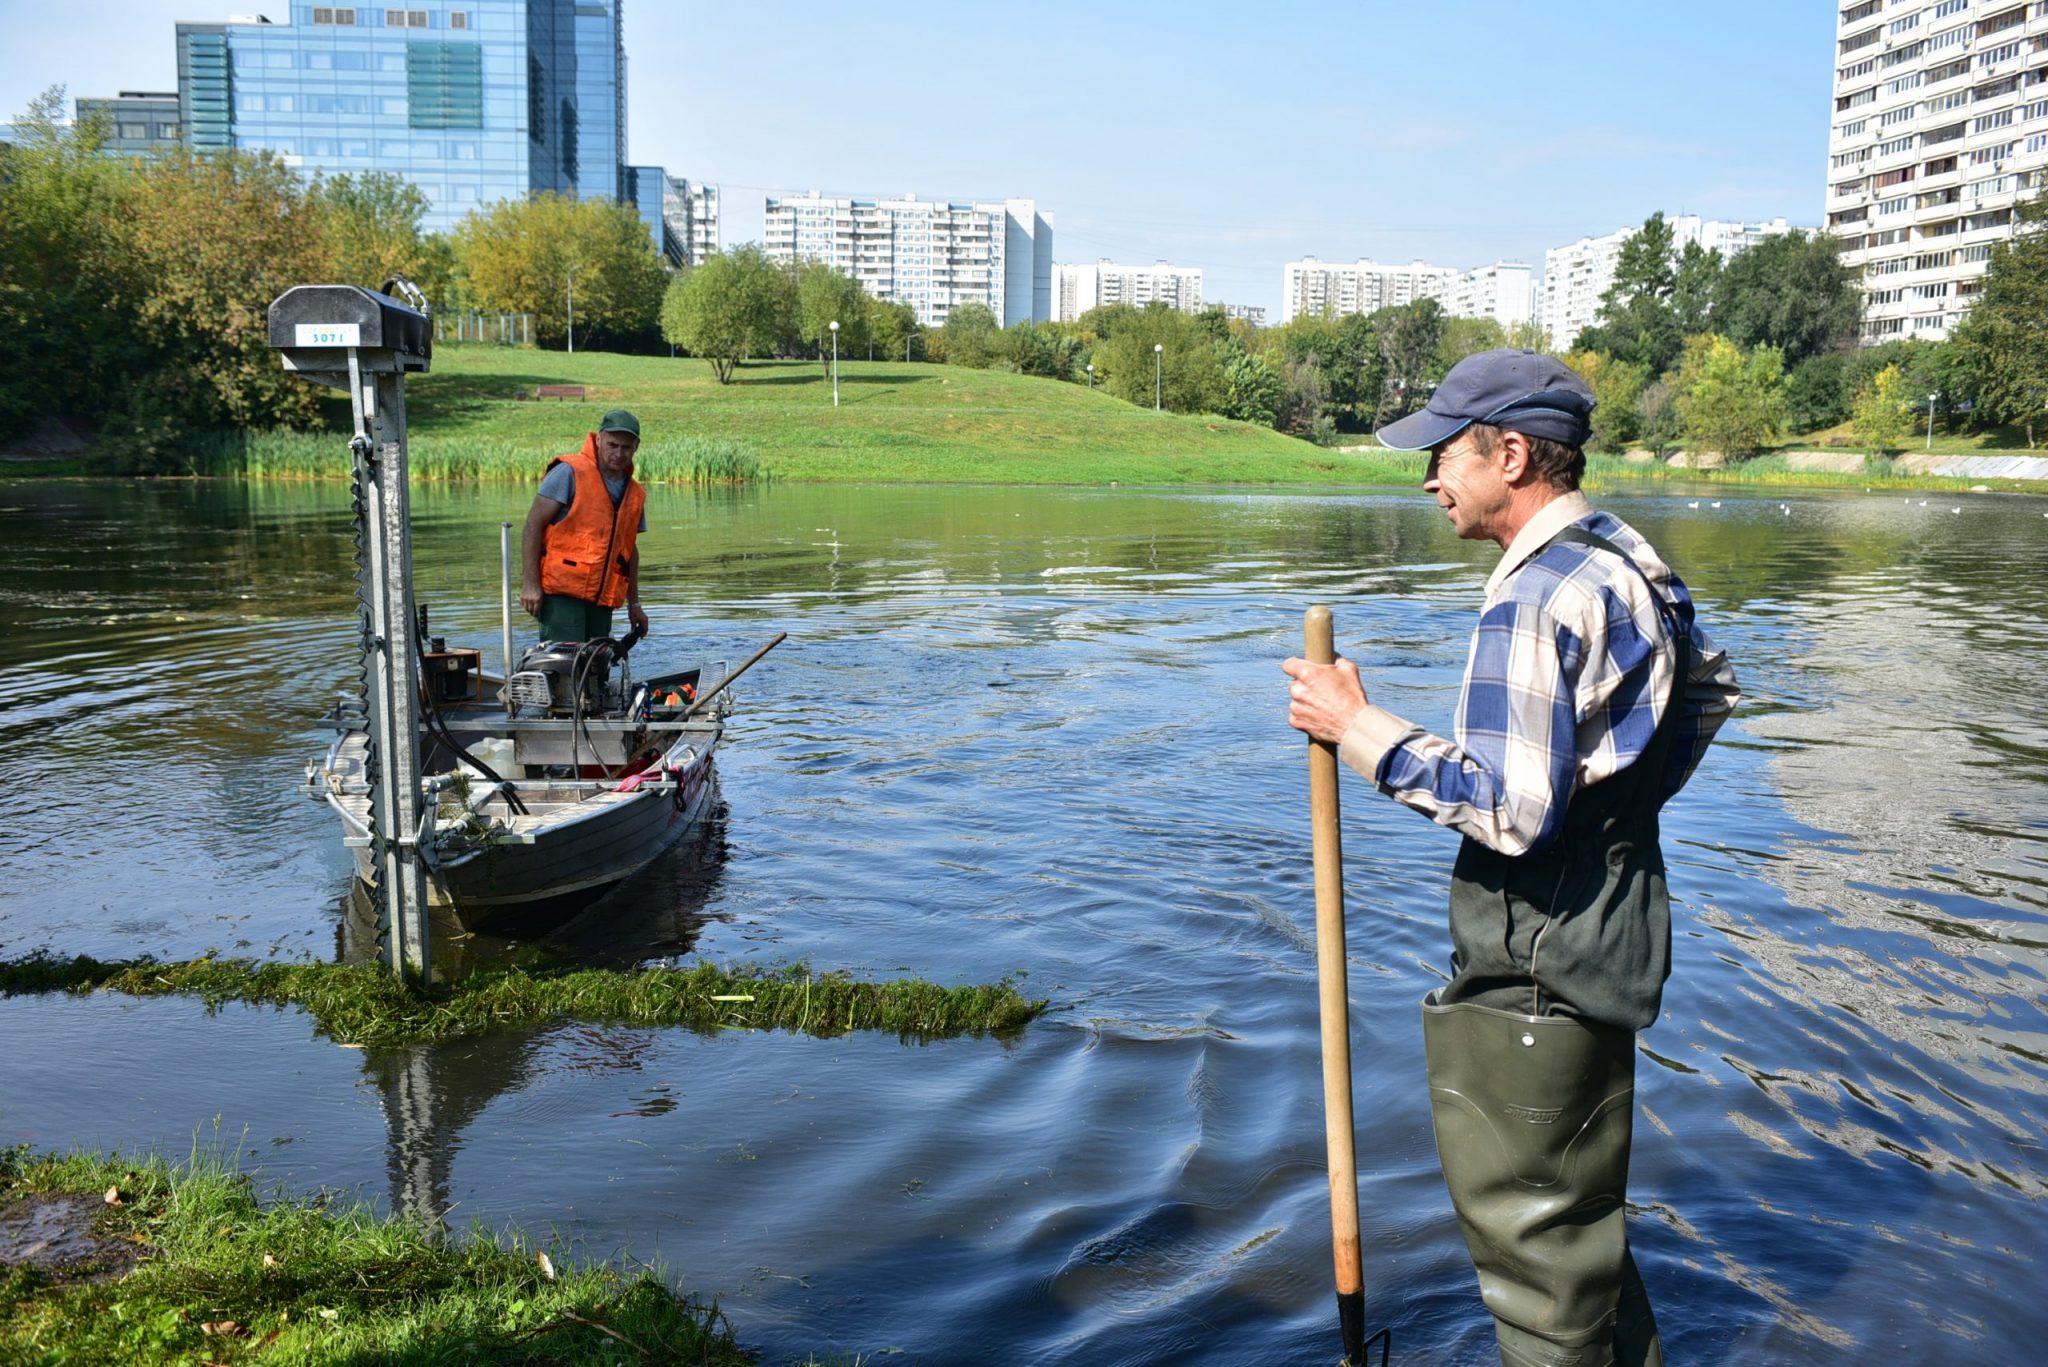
(1773,470)
(285,455)
(358,1004)
(187,1264)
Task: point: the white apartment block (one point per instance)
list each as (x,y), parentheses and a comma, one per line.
(1076,289)
(1310,287)
(929,254)
(1504,292)
(1332,289)
(1941,124)
(1255,314)
(689,213)
(1577,274)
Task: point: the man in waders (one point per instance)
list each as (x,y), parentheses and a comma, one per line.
(1589,696)
(579,553)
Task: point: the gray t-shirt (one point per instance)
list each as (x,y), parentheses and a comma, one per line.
(559,484)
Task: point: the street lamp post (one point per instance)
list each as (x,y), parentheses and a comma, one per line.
(835,363)
(1931,400)
(1158,364)
(1091,374)
(572,311)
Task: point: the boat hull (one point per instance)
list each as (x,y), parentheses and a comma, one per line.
(579,837)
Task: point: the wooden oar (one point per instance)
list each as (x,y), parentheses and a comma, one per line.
(1319,647)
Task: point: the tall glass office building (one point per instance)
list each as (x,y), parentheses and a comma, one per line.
(473,101)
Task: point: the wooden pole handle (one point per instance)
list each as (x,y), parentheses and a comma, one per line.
(1334,999)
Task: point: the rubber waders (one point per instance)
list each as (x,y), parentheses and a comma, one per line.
(1533,1118)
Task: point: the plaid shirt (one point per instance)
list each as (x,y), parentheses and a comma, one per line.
(1565,686)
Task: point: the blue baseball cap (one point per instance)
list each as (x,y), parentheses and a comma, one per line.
(1520,391)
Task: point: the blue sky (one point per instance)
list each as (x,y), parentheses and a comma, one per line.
(1212,135)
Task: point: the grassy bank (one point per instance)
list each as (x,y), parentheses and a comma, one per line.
(894,422)
(150,1262)
(1775,469)
(364,1005)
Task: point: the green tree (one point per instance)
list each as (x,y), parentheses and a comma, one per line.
(1410,338)
(528,255)
(969,336)
(1303,398)
(1048,350)
(894,327)
(1252,390)
(1637,321)
(1883,413)
(1790,291)
(1730,402)
(724,309)
(67,287)
(1104,319)
(1617,388)
(211,238)
(1658,426)
(1354,369)
(1695,284)
(1189,375)
(826,295)
(1468,337)
(1816,394)
(372,226)
(2004,341)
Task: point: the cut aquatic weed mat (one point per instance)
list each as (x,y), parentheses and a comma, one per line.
(359,1004)
(185,1264)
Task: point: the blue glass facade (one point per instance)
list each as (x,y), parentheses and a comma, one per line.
(473,101)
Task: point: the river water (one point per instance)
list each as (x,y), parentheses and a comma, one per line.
(1040,733)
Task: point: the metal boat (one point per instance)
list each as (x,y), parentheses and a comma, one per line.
(544,789)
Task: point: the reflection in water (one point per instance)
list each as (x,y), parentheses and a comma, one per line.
(431,1094)
(1038,732)
(657,913)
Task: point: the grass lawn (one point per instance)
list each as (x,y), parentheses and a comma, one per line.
(145,1261)
(894,422)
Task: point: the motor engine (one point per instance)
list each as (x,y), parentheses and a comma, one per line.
(552,674)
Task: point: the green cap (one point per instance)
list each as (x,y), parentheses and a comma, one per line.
(619,420)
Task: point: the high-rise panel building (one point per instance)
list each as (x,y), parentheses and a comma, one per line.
(1500,291)
(1504,291)
(1077,289)
(137,122)
(689,216)
(1577,274)
(1940,126)
(473,101)
(1333,289)
(931,254)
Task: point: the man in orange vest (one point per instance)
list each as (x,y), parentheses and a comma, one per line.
(580,549)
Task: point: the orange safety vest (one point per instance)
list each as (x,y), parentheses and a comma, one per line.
(589,553)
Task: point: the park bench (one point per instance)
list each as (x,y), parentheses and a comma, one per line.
(558,391)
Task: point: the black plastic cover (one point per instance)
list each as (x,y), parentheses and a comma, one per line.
(322,317)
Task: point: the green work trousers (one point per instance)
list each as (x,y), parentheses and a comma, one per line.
(571,619)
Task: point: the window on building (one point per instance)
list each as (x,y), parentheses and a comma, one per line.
(405,18)
(458,18)
(345,17)
(1948,7)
